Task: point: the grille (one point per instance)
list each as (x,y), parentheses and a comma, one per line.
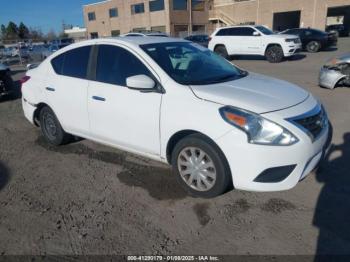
(314,123)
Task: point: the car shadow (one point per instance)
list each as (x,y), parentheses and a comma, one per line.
(332,212)
(330,49)
(295,57)
(4,175)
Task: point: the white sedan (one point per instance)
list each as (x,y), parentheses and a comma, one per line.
(174,101)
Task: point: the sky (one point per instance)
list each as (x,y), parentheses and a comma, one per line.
(43,14)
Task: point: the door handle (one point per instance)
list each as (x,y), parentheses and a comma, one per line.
(50,89)
(98,98)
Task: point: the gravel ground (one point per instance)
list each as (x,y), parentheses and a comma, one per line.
(85,198)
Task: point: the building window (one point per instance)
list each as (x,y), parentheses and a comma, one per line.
(158,29)
(115,33)
(198,5)
(198,28)
(113,12)
(138,8)
(180,4)
(93,35)
(181,30)
(92,16)
(156,5)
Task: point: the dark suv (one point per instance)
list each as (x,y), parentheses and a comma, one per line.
(313,40)
(341,30)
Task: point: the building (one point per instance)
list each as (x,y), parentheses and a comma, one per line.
(280,14)
(76,33)
(175,17)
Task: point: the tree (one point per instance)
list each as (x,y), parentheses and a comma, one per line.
(36,34)
(23,31)
(3,31)
(12,31)
(51,35)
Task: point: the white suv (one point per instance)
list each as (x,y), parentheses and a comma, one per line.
(253,40)
(177,102)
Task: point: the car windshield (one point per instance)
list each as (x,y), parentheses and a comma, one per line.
(264,30)
(191,64)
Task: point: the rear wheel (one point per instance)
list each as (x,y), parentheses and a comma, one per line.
(201,167)
(313,46)
(52,129)
(221,51)
(274,54)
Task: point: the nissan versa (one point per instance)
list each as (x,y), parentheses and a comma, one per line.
(175,101)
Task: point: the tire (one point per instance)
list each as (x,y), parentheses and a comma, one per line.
(221,51)
(313,47)
(212,170)
(274,54)
(52,129)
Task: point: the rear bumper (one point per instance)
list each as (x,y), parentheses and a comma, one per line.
(29,110)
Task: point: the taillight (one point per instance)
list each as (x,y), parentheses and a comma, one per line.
(24,79)
(210,38)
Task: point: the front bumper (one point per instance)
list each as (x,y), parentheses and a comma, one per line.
(248,161)
(291,49)
(329,78)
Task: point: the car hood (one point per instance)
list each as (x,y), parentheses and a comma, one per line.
(255,92)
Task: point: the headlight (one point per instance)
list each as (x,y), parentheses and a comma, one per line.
(258,129)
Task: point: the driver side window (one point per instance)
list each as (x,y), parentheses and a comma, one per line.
(115,65)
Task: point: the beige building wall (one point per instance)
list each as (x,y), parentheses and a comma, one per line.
(313,12)
(126,21)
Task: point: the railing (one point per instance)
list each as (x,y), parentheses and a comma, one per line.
(221,16)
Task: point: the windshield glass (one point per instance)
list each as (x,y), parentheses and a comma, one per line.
(191,64)
(264,30)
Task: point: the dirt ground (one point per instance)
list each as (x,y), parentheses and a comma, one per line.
(85,198)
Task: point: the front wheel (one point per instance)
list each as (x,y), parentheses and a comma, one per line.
(274,54)
(201,167)
(52,129)
(313,47)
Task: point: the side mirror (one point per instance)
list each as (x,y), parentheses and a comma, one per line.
(256,33)
(140,82)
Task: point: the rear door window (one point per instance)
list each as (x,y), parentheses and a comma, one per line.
(73,63)
(76,62)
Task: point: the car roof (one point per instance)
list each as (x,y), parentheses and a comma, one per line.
(138,40)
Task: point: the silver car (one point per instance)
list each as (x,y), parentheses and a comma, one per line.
(336,72)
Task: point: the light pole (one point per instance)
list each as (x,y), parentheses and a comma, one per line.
(190,29)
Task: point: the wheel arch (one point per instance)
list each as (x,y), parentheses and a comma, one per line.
(36,115)
(175,138)
(271,45)
(218,45)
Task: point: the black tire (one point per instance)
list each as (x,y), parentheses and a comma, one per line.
(52,129)
(274,54)
(221,51)
(223,180)
(313,47)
